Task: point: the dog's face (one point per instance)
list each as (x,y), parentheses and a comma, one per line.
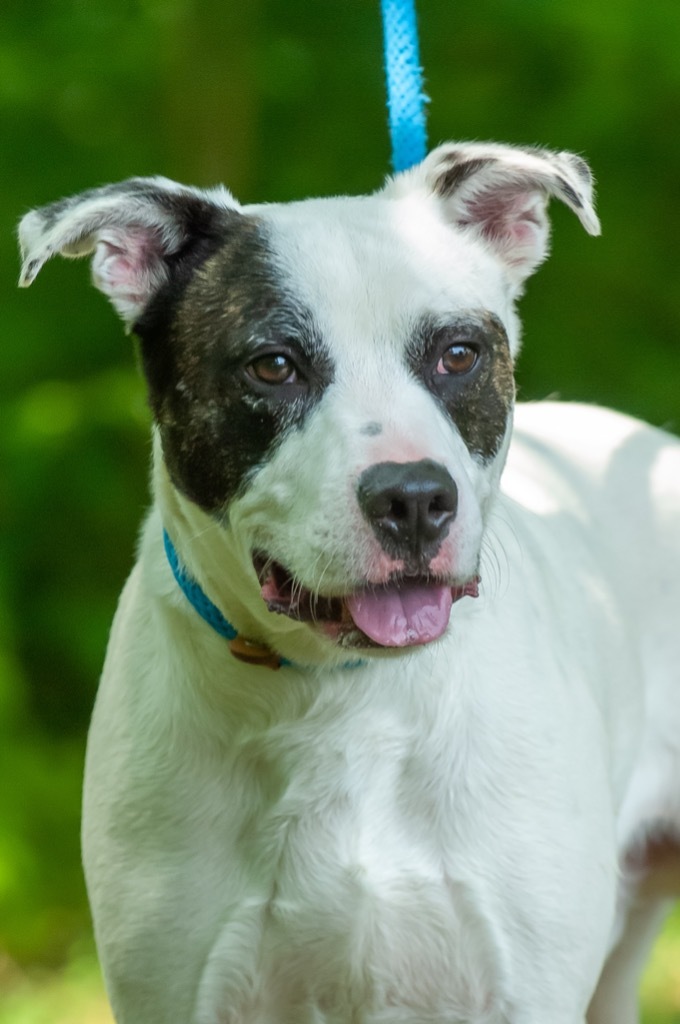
(332,380)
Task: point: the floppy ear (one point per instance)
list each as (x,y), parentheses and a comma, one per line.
(500,193)
(135,230)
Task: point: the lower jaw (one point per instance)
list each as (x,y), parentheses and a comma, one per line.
(345,634)
(350,637)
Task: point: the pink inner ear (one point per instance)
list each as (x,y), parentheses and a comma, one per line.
(128,267)
(513,221)
(128,254)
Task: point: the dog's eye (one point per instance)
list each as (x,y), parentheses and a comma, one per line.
(274,368)
(457,359)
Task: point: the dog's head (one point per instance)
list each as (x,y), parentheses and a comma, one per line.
(331,380)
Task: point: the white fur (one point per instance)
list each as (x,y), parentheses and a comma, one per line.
(433,837)
(440,835)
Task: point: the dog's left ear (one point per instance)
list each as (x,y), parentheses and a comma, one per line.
(500,193)
(138,230)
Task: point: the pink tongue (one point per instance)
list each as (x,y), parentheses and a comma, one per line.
(401,616)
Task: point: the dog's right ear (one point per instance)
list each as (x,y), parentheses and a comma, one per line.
(135,229)
(499,194)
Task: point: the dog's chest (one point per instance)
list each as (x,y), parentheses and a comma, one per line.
(354,890)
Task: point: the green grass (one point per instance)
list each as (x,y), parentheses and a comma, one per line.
(75,995)
(661,984)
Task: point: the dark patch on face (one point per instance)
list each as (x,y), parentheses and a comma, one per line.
(372,429)
(480,400)
(203,338)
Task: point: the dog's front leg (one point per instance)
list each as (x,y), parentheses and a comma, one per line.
(155,838)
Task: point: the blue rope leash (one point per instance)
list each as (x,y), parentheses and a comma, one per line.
(405,97)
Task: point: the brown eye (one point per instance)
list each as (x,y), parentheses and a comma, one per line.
(273,369)
(457,359)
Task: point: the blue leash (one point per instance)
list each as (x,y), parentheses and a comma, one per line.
(405,97)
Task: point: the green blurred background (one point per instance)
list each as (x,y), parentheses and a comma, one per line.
(279,99)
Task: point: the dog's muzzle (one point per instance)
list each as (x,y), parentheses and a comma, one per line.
(410,507)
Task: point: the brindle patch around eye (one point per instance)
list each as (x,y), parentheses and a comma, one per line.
(479,402)
(216,428)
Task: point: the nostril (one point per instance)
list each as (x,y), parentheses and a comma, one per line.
(382,505)
(444,502)
(397,518)
(398,509)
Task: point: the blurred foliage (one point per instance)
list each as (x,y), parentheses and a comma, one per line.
(278,99)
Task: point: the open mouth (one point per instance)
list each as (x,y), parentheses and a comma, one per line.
(405,612)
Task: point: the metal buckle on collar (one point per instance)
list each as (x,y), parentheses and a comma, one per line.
(253,653)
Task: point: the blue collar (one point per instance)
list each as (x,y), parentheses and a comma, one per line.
(243,650)
(195,595)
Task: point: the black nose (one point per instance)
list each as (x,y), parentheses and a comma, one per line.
(410,506)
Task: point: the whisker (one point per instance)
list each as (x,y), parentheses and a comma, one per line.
(199,534)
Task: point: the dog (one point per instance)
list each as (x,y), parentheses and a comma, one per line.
(388,730)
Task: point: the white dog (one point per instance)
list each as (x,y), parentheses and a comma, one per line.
(458,799)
